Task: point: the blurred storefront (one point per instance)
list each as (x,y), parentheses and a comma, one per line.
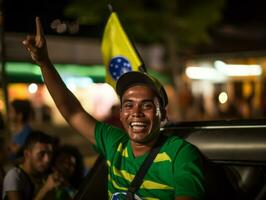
(226,88)
(85,81)
(212,89)
(209,89)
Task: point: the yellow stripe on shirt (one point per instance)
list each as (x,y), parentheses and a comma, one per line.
(147,184)
(162,157)
(122,150)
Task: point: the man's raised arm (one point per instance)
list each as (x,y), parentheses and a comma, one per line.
(66,102)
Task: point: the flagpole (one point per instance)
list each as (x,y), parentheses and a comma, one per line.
(142,68)
(110,7)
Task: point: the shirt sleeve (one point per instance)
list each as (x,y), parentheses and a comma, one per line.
(106,136)
(188,172)
(12,181)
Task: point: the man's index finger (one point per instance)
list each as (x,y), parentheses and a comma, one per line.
(39,30)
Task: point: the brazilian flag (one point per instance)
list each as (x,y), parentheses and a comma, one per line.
(119,55)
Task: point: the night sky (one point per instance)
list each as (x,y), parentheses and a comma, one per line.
(242,19)
(245,11)
(18,13)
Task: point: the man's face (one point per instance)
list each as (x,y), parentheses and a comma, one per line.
(140,114)
(40,156)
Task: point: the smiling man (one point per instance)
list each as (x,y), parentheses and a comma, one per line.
(175,172)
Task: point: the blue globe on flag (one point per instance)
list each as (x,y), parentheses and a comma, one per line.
(118,66)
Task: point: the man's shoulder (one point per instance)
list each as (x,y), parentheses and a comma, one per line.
(16,174)
(13,180)
(16,180)
(108,137)
(176,144)
(14,171)
(110,131)
(175,140)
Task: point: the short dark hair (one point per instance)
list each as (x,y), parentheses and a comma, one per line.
(37,136)
(24,107)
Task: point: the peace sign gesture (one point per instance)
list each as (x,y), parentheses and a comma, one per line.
(36,45)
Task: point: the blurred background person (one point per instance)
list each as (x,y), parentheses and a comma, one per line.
(28,180)
(3,161)
(20,115)
(68,163)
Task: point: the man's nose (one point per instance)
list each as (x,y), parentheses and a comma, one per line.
(137,111)
(47,158)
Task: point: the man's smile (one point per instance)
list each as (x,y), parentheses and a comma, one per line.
(138,126)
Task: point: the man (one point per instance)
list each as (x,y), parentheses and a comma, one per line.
(25,182)
(20,114)
(175,172)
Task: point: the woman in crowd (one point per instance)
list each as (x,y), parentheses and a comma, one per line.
(68,162)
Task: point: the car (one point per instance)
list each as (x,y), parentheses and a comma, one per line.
(234,155)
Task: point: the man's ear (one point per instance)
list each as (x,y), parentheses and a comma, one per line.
(26,153)
(164,117)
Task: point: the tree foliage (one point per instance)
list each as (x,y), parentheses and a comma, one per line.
(154,21)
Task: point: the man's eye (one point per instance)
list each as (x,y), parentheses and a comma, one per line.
(147,105)
(40,154)
(127,105)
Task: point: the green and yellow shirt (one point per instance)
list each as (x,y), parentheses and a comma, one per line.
(176,170)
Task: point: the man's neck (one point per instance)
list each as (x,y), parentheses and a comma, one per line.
(28,169)
(139,149)
(36,178)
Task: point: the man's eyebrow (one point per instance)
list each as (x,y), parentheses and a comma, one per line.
(127,100)
(142,101)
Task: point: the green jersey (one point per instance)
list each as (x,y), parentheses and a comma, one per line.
(176,170)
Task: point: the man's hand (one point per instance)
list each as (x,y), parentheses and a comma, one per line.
(54,181)
(36,45)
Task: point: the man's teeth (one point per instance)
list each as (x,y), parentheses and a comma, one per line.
(138,124)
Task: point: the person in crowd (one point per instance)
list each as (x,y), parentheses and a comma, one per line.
(68,162)
(28,180)
(20,114)
(176,171)
(3,161)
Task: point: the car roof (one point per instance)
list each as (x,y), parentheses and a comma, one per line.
(234,141)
